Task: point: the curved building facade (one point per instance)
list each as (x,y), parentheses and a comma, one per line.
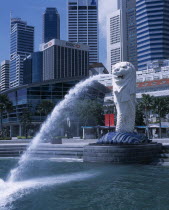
(152,17)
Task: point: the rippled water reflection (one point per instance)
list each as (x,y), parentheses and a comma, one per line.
(52,185)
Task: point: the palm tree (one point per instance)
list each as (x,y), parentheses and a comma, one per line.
(139,116)
(45,107)
(160,106)
(5,107)
(26,121)
(146,105)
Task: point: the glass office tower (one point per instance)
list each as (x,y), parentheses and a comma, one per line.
(152,31)
(21,45)
(51,25)
(83,25)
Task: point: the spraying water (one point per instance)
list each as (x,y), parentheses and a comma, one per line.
(50,125)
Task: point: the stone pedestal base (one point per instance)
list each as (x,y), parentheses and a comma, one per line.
(122,154)
(56,141)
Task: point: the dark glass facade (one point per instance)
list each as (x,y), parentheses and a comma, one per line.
(27,70)
(33,68)
(152,31)
(37,67)
(51,25)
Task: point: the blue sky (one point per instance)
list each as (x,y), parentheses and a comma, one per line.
(32,11)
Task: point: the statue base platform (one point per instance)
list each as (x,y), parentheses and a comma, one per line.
(122,154)
(123,138)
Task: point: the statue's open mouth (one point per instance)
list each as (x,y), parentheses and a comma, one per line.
(121,77)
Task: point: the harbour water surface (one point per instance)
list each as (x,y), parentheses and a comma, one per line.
(68,184)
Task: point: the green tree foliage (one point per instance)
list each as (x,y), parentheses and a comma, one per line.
(5,107)
(160,106)
(45,107)
(26,121)
(139,116)
(145,105)
(88,112)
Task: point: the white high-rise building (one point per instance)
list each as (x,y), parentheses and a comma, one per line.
(83,25)
(4,75)
(21,45)
(121,34)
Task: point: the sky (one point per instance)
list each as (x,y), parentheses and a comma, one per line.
(31,11)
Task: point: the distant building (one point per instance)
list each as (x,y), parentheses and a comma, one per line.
(22,45)
(156,70)
(4,75)
(152,31)
(83,25)
(62,59)
(97,68)
(122,35)
(51,25)
(33,68)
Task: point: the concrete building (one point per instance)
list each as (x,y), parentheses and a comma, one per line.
(83,25)
(51,25)
(152,31)
(63,59)
(21,45)
(121,34)
(4,75)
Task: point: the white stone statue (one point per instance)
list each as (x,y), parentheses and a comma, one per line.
(124,91)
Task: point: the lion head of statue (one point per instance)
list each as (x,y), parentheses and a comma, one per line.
(124,80)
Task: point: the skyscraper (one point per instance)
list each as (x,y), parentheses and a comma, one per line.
(121,34)
(51,25)
(152,31)
(21,45)
(4,75)
(83,25)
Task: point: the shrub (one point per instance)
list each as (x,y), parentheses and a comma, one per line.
(21,137)
(5,138)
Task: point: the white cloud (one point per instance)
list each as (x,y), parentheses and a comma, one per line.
(106,7)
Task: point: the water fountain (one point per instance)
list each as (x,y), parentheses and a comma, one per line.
(15,178)
(50,125)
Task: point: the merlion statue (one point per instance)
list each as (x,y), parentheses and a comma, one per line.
(124,91)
